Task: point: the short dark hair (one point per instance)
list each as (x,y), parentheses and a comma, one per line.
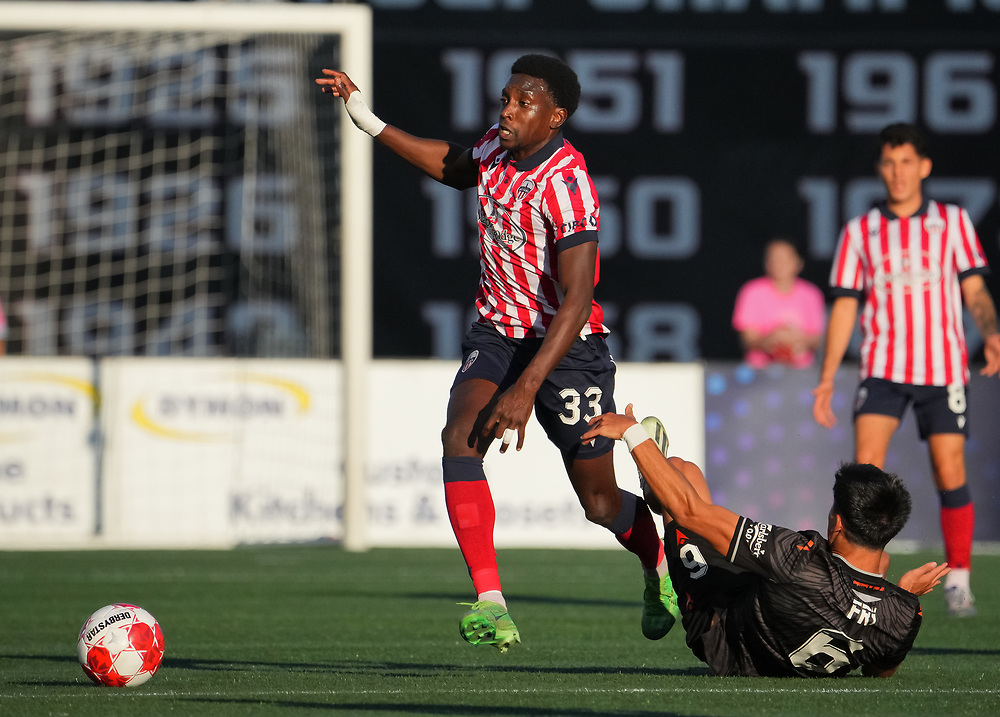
(900,133)
(561,80)
(873,505)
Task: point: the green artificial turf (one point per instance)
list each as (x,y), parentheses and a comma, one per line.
(301,630)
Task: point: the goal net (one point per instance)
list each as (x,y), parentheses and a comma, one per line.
(172,184)
(168,191)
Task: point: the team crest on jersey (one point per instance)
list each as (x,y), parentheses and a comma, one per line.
(469,361)
(498,225)
(934,226)
(860,398)
(526,188)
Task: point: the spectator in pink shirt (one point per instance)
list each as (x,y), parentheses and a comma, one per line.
(779,316)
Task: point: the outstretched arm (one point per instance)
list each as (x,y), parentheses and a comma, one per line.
(678,497)
(444,161)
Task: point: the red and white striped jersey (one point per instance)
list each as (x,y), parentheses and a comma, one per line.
(907,271)
(528,211)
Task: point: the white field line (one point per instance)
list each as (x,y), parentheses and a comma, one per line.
(735,690)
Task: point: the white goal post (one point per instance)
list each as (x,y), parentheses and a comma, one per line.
(352,25)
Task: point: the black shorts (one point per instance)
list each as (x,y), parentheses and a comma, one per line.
(580,387)
(706,584)
(939,409)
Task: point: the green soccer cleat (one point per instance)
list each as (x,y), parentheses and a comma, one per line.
(659,601)
(487,623)
(658,433)
(659,607)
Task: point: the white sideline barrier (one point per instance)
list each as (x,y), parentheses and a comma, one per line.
(535,504)
(214,452)
(208,453)
(48,464)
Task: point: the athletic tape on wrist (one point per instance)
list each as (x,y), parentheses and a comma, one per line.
(635,435)
(362,116)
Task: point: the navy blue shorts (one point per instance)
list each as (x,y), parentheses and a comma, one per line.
(580,387)
(939,409)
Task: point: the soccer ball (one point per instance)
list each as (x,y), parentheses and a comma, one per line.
(120,645)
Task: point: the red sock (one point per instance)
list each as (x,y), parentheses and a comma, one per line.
(472,514)
(640,535)
(956,526)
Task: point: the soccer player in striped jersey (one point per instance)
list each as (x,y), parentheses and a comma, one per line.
(539,341)
(910,262)
(761,600)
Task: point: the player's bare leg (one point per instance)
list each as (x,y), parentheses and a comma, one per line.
(472,514)
(629,519)
(947,454)
(872,433)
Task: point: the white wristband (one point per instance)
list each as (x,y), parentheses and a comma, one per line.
(635,435)
(362,116)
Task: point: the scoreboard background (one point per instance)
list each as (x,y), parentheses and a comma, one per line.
(710,126)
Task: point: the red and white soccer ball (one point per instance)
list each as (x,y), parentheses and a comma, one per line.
(120,645)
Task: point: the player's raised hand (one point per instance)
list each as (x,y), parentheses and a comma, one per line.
(922,580)
(336,83)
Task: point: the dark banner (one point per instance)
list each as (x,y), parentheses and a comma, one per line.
(709,126)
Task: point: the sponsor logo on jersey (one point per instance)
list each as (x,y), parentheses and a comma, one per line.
(756,536)
(572,184)
(915,274)
(499,227)
(469,361)
(577,225)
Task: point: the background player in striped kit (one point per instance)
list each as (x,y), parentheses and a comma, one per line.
(539,339)
(761,600)
(911,262)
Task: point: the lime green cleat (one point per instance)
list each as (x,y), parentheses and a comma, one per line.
(658,433)
(659,607)
(487,623)
(659,601)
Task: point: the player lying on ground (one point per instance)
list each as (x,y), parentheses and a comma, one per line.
(762,600)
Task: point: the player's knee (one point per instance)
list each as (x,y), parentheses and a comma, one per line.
(454,442)
(599,509)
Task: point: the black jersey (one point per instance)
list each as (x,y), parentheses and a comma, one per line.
(791,607)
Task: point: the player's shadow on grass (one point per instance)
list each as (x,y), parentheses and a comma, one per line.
(939,651)
(534,599)
(439,709)
(419,669)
